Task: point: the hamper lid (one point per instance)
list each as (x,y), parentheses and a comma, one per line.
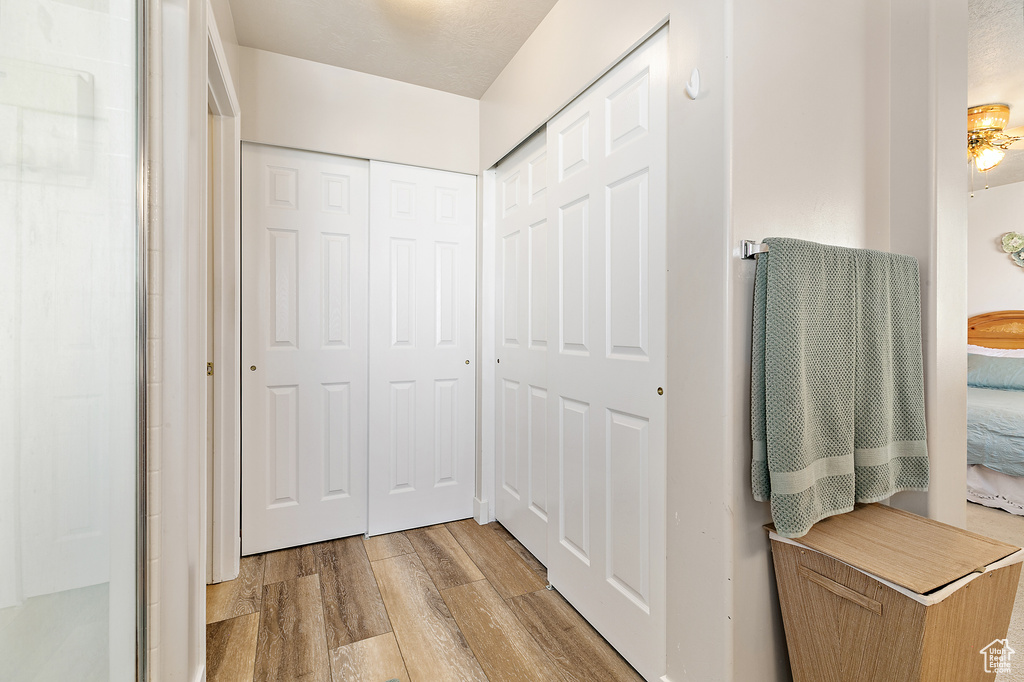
(909,550)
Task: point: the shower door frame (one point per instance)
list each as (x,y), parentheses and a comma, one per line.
(142,329)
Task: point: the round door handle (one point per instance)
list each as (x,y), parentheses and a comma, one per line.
(252,368)
(661,391)
(467,362)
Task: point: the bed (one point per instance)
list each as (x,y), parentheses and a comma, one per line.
(995,410)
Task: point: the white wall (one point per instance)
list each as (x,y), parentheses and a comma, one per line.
(993,281)
(875,185)
(301,104)
(738,171)
(834,192)
(928,220)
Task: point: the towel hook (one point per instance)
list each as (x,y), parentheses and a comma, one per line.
(749,249)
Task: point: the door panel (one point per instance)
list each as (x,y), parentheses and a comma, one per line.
(606,256)
(522,295)
(422,333)
(304,316)
(580,315)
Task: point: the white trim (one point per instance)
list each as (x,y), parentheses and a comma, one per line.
(224,515)
(222,94)
(176,633)
(481,511)
(487,346)
(927,599)
(196,334)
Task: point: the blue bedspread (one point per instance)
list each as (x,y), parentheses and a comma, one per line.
(995,429)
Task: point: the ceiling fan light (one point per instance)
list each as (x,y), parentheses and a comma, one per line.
(987,158)
(989,117)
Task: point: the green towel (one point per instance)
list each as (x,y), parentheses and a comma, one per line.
(837,385)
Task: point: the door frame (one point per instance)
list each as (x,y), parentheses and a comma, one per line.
(485,501)
(224,517)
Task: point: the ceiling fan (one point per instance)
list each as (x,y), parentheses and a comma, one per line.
(987,138)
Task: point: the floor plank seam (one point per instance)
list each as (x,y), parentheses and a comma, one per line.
(402,653)
(323,607)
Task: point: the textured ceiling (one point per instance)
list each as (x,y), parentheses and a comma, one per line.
(458,46)
(995,74)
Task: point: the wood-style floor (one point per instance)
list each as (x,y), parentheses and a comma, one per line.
(457,602)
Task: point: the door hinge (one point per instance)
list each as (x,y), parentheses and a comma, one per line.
(209,369)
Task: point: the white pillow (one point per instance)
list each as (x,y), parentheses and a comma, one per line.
(996,352)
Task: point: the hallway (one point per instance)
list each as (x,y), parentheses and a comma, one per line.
(457,601)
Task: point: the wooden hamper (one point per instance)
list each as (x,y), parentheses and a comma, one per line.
(879,594)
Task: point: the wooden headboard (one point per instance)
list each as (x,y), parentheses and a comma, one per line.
(1001,329)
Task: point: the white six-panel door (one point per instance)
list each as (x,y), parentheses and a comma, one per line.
(521,314)
(607,210)
(600,397)
(422,346)
(304,319)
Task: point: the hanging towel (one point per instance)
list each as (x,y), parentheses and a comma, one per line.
(837,387)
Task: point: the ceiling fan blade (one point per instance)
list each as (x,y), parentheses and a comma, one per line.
(1017,132)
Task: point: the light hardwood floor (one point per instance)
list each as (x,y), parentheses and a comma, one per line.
(1001,525)
(456,602)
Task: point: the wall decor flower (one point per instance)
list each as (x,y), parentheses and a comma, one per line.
(1013,244)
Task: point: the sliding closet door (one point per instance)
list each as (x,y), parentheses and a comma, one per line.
(521,315)
(304,279)
(422,346)
(606,215)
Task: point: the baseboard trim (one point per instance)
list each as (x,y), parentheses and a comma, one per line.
(481,511)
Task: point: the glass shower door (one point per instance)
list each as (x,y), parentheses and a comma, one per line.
(68,339)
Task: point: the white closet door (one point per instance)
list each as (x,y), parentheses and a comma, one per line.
(606,212)
(304,278)
(521,315)
(422,346)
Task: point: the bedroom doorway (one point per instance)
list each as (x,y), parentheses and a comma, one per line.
(995,190)
(995,440)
